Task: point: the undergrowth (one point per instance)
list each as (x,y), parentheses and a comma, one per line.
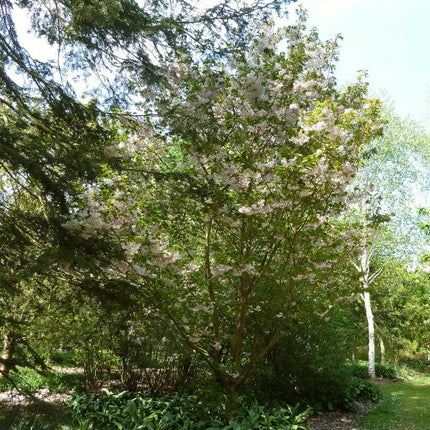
(115,411)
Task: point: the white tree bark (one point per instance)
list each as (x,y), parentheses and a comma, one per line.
(366,279)
(371,334)
(382,348)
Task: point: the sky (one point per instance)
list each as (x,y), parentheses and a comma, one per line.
(390,39)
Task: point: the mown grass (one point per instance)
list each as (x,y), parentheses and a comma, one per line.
(406,406)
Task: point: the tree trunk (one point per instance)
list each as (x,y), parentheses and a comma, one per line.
(371,332)
(231,404)
(7,356)
(366,279)
(382,347)
(49,356)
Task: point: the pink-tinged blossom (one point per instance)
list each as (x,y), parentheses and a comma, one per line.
(143,271)
(217,346)
(229,169)
(220,269)
(301,138)
(347,168)
(245,210)
(239,182)
(304,85)
(319,244)
(164,260)
(72,225)
(322,265)
(130,250)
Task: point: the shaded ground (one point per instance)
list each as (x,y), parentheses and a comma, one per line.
(339,420)
(43,410)
(345,420)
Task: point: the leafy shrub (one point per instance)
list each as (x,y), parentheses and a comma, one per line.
(65,357)
(307,365)
(359,369)
(382,370)
(361,390)
(125,410)
(257,416)
(404,373)
(208,390)
(98,363)
(26,380)
(415,363)
(385,371)
(59,382)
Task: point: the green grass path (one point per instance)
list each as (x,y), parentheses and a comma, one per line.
(406,406)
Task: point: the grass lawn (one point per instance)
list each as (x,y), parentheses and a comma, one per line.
(406,406)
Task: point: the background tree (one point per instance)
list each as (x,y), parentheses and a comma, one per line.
(24,236)
(392,181)
(394,171)
(402,311)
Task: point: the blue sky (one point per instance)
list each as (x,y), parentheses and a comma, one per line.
(390,39)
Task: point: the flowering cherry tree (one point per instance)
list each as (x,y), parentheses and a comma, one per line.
(224,212)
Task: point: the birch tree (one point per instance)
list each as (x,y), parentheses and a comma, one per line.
(393,181)
(367,277)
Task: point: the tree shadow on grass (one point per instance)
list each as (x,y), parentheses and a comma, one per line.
(34,414)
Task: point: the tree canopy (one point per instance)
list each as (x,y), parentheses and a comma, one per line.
(224,211)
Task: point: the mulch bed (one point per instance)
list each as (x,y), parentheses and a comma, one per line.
(339,420)
(344,420)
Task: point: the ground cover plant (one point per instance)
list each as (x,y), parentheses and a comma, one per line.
(29,380)
(125,410)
